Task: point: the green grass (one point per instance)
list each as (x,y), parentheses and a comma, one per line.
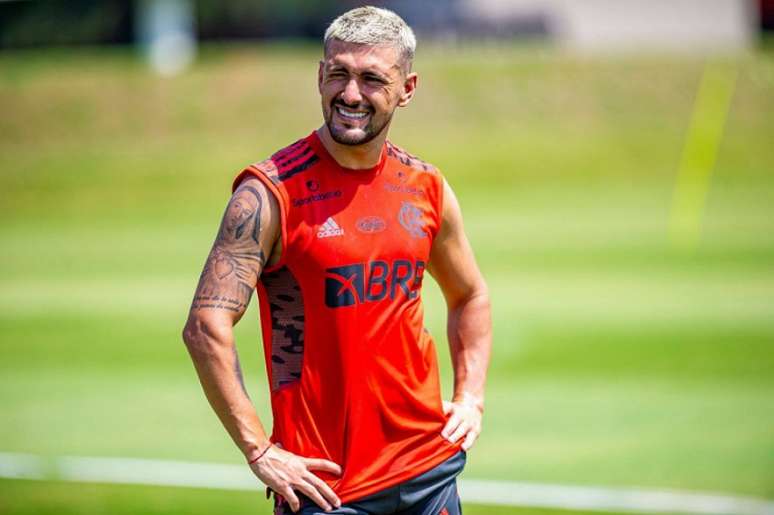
(618,359)
(63,499)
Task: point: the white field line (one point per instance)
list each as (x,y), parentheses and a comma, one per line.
(501,493)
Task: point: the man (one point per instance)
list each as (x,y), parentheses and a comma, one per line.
(335,232)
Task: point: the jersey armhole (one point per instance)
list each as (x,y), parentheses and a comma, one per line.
(439,208)
(261,175)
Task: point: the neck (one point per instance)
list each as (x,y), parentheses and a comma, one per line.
(356,157)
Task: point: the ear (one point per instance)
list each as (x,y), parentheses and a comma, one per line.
(320,76)
(409,87)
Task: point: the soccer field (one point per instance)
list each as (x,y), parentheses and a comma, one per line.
(619,359)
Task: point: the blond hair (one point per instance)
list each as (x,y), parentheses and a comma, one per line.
(374,26)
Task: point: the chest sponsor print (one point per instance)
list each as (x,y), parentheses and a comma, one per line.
(372,282)
(317,197)
(404,188)
(371,224)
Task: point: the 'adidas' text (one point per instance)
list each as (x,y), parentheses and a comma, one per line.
(330,228)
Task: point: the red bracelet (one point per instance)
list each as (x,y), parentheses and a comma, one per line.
(260,455)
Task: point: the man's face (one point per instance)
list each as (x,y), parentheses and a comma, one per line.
(360,88)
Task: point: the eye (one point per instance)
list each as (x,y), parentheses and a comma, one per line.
(373,79)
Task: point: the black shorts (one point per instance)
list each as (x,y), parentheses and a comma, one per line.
(432,493)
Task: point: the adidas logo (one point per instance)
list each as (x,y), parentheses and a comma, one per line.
(330,228)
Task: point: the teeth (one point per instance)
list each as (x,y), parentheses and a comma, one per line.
(350,114)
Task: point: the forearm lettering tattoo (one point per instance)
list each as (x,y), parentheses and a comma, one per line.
(236,258)
(238,372)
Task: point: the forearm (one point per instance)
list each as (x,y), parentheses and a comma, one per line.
(213,353)
(470,343)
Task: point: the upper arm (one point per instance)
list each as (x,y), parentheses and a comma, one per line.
(452,262)
(248,231)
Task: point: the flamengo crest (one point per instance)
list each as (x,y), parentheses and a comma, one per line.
(410,217)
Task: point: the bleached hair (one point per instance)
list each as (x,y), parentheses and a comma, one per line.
(374,26)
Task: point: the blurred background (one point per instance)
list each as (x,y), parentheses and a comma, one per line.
(615,164)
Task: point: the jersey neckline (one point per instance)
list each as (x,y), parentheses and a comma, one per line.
(314,140)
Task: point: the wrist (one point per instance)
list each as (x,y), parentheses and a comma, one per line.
(255,455)
(470,399)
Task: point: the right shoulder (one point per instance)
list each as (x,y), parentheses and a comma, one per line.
(260,171)
(282,165)
(268,181)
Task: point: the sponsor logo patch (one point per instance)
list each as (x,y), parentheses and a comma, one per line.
(373,281)
(410,218)
(329,228)
(371,224)
(404,188)
(317,197)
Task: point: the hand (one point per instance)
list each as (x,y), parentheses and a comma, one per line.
(464,420)
(284,472)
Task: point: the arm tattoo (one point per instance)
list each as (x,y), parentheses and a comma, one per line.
(235,262)
(238,372)
(224,282)
(246,206)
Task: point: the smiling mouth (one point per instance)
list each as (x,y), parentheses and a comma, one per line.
(350,114)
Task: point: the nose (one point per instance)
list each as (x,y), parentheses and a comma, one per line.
(351,94)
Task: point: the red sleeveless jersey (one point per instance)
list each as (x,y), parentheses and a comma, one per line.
(352,371)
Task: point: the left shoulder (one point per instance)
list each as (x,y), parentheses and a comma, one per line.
(409,160)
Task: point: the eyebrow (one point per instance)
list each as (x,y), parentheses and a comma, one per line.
(340,67)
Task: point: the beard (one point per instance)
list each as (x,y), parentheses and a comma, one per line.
(359,136)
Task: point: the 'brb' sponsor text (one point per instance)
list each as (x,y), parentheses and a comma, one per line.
(373,281)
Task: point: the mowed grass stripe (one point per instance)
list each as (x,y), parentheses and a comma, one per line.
(54,498)
(570,295)
(565,428)
(497,493)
